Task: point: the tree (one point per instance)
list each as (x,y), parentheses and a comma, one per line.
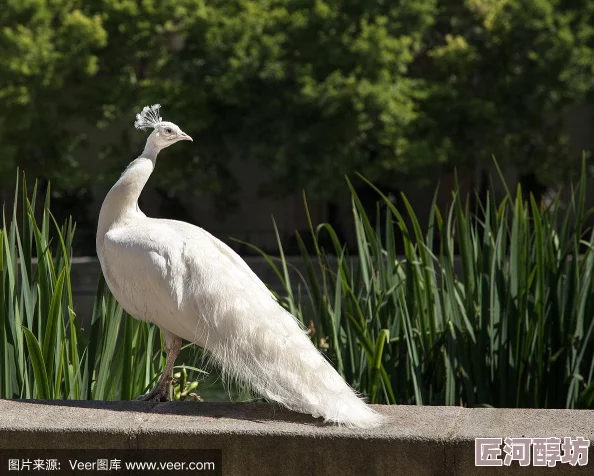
(501,77)
(71,68)
(314,89)
(48,53)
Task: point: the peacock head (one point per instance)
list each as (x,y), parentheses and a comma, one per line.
(164,133)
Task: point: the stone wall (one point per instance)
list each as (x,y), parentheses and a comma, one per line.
(265,440)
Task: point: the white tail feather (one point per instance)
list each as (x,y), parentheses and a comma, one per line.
(274,356)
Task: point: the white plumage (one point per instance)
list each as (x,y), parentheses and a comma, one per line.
(194,287)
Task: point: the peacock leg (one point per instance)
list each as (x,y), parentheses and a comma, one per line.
(160,393)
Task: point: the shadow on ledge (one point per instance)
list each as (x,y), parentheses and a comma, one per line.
(256,412)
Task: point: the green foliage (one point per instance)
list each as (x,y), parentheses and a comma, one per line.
(47,62)
(44,351)
(311,88)
(501,75)
(507,322)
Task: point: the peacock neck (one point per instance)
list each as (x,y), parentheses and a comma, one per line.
(150,151)
(121,203)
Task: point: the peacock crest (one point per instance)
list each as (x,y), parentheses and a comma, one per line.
(148,117)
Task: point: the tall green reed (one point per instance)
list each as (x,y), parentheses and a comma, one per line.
(44,350)
(493,306)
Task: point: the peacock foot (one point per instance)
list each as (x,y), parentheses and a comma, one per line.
(157,394)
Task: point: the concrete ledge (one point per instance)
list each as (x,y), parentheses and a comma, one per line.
(263,439)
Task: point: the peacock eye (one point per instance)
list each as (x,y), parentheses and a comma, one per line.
(168,130)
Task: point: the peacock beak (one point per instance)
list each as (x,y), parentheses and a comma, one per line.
(185,136)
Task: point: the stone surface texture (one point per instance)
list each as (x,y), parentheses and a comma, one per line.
(263,439)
